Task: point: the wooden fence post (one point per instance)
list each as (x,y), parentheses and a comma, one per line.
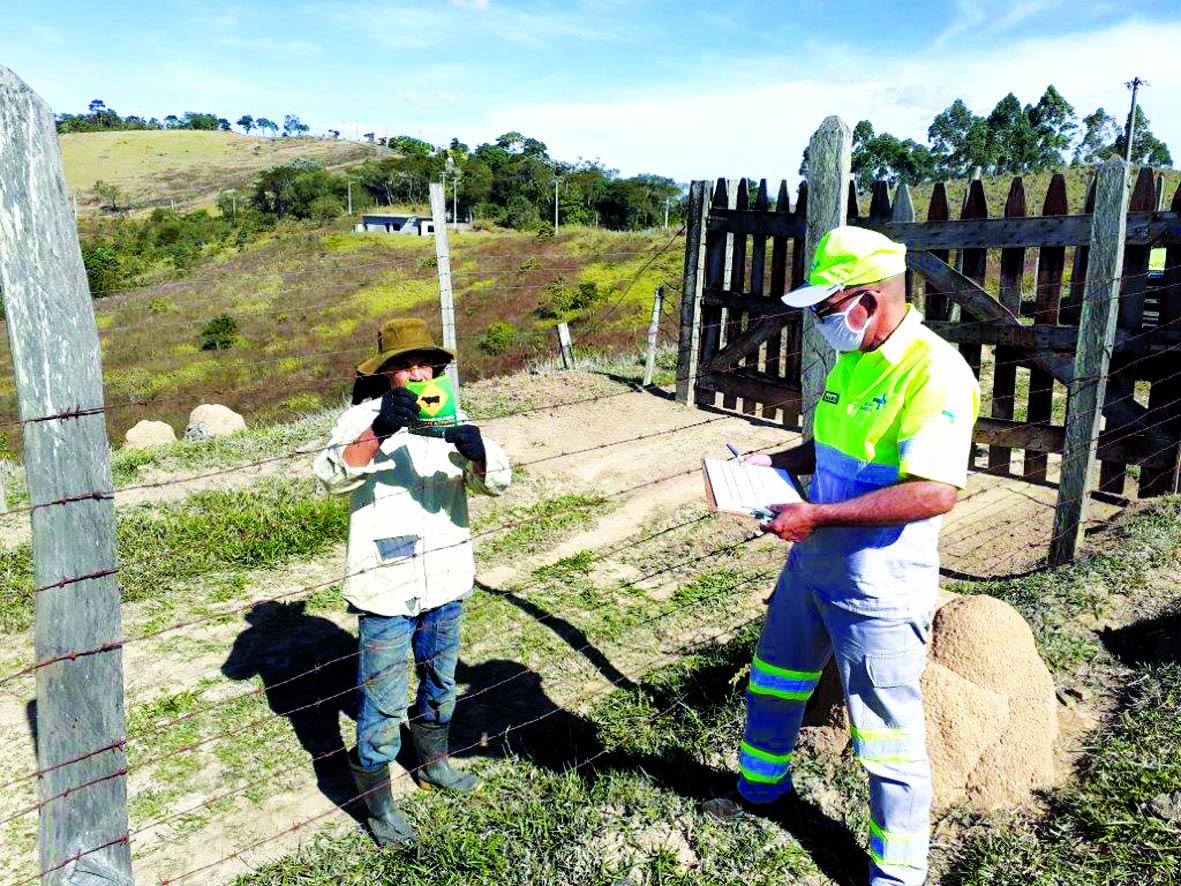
(829,158)
(443,259)
(565,346)
(78,634)
(689,344)
(1096,337)
(653,334)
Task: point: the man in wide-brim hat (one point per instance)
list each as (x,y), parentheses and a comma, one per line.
(409,561)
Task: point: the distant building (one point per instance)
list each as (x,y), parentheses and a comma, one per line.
(392,223)
(399,223)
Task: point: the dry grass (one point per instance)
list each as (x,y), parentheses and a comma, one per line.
(188,167)
(308,302)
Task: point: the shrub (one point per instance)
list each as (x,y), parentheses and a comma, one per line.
(498,338)
(586,295)
(218,334)
(530,264)
(545,231)
(325,208)
(104,271)
(160,306)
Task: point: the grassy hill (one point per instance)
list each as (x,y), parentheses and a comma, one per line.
(154,167)
(307,303)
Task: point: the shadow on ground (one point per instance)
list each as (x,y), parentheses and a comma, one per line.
(505,712)
(308,668)
(1155,640)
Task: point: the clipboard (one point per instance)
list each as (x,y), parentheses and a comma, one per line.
(732,487)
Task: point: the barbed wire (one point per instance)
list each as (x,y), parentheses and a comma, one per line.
(1139,429)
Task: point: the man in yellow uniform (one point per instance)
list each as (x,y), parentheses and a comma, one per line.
(891,445)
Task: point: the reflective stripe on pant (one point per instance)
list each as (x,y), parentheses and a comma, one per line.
(880,660)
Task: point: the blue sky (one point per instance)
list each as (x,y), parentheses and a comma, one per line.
(688,89)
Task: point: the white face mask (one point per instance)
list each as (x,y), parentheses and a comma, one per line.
(839,333)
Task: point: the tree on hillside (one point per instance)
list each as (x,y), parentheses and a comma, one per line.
(1147,149)
(300,189)
(1011,140)
(292,125)
(884,156)
(1100,131)
(246,122)
(267,125)
(410,146)
(111,194)
(959,141)
(1055,123)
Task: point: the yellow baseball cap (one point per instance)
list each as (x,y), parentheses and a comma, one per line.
(845,257)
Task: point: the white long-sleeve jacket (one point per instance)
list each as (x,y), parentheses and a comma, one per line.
(409,545)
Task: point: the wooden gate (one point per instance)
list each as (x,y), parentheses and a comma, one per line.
(1008,290)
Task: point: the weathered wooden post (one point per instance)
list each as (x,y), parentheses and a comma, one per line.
(689,343)
(653,334)
(829,157)
(565,346)
(1096,339)
(443,260)
(77,637)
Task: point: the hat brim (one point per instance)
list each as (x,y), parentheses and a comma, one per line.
(374,365)
(806,296)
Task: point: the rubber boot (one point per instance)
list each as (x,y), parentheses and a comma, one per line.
(385,819)
(435,770)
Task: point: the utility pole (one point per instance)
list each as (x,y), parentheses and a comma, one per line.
(1130,132)
(350,186)
(443,259)
(557,181)
(666,199)
(455,201)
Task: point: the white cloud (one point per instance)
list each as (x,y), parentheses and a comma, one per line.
(982,18)
(409,27)
(267,44)
(745,123)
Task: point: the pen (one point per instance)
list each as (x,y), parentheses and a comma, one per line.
(734,452)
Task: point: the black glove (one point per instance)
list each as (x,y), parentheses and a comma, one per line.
(467,439)
(399,407)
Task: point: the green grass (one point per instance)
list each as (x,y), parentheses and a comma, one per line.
(266,441)
(539,525)
(644,758)
(209,533)
(1103,828)
(623,807)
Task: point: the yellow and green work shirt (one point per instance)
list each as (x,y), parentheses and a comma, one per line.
(903,410)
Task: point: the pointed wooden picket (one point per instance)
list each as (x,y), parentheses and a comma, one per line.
(1004,375)
(1051,263)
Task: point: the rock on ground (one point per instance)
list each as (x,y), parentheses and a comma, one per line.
(213,420)
(992,716)
(147,433)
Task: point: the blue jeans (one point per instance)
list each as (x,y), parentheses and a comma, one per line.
(383,676)
(880,659)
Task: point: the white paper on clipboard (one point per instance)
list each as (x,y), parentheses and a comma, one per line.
(736,488)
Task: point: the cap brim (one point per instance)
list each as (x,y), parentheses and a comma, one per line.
(806,296)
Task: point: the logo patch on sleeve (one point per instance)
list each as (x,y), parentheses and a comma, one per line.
(831,397)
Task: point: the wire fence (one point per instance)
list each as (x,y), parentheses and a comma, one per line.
(976,511)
